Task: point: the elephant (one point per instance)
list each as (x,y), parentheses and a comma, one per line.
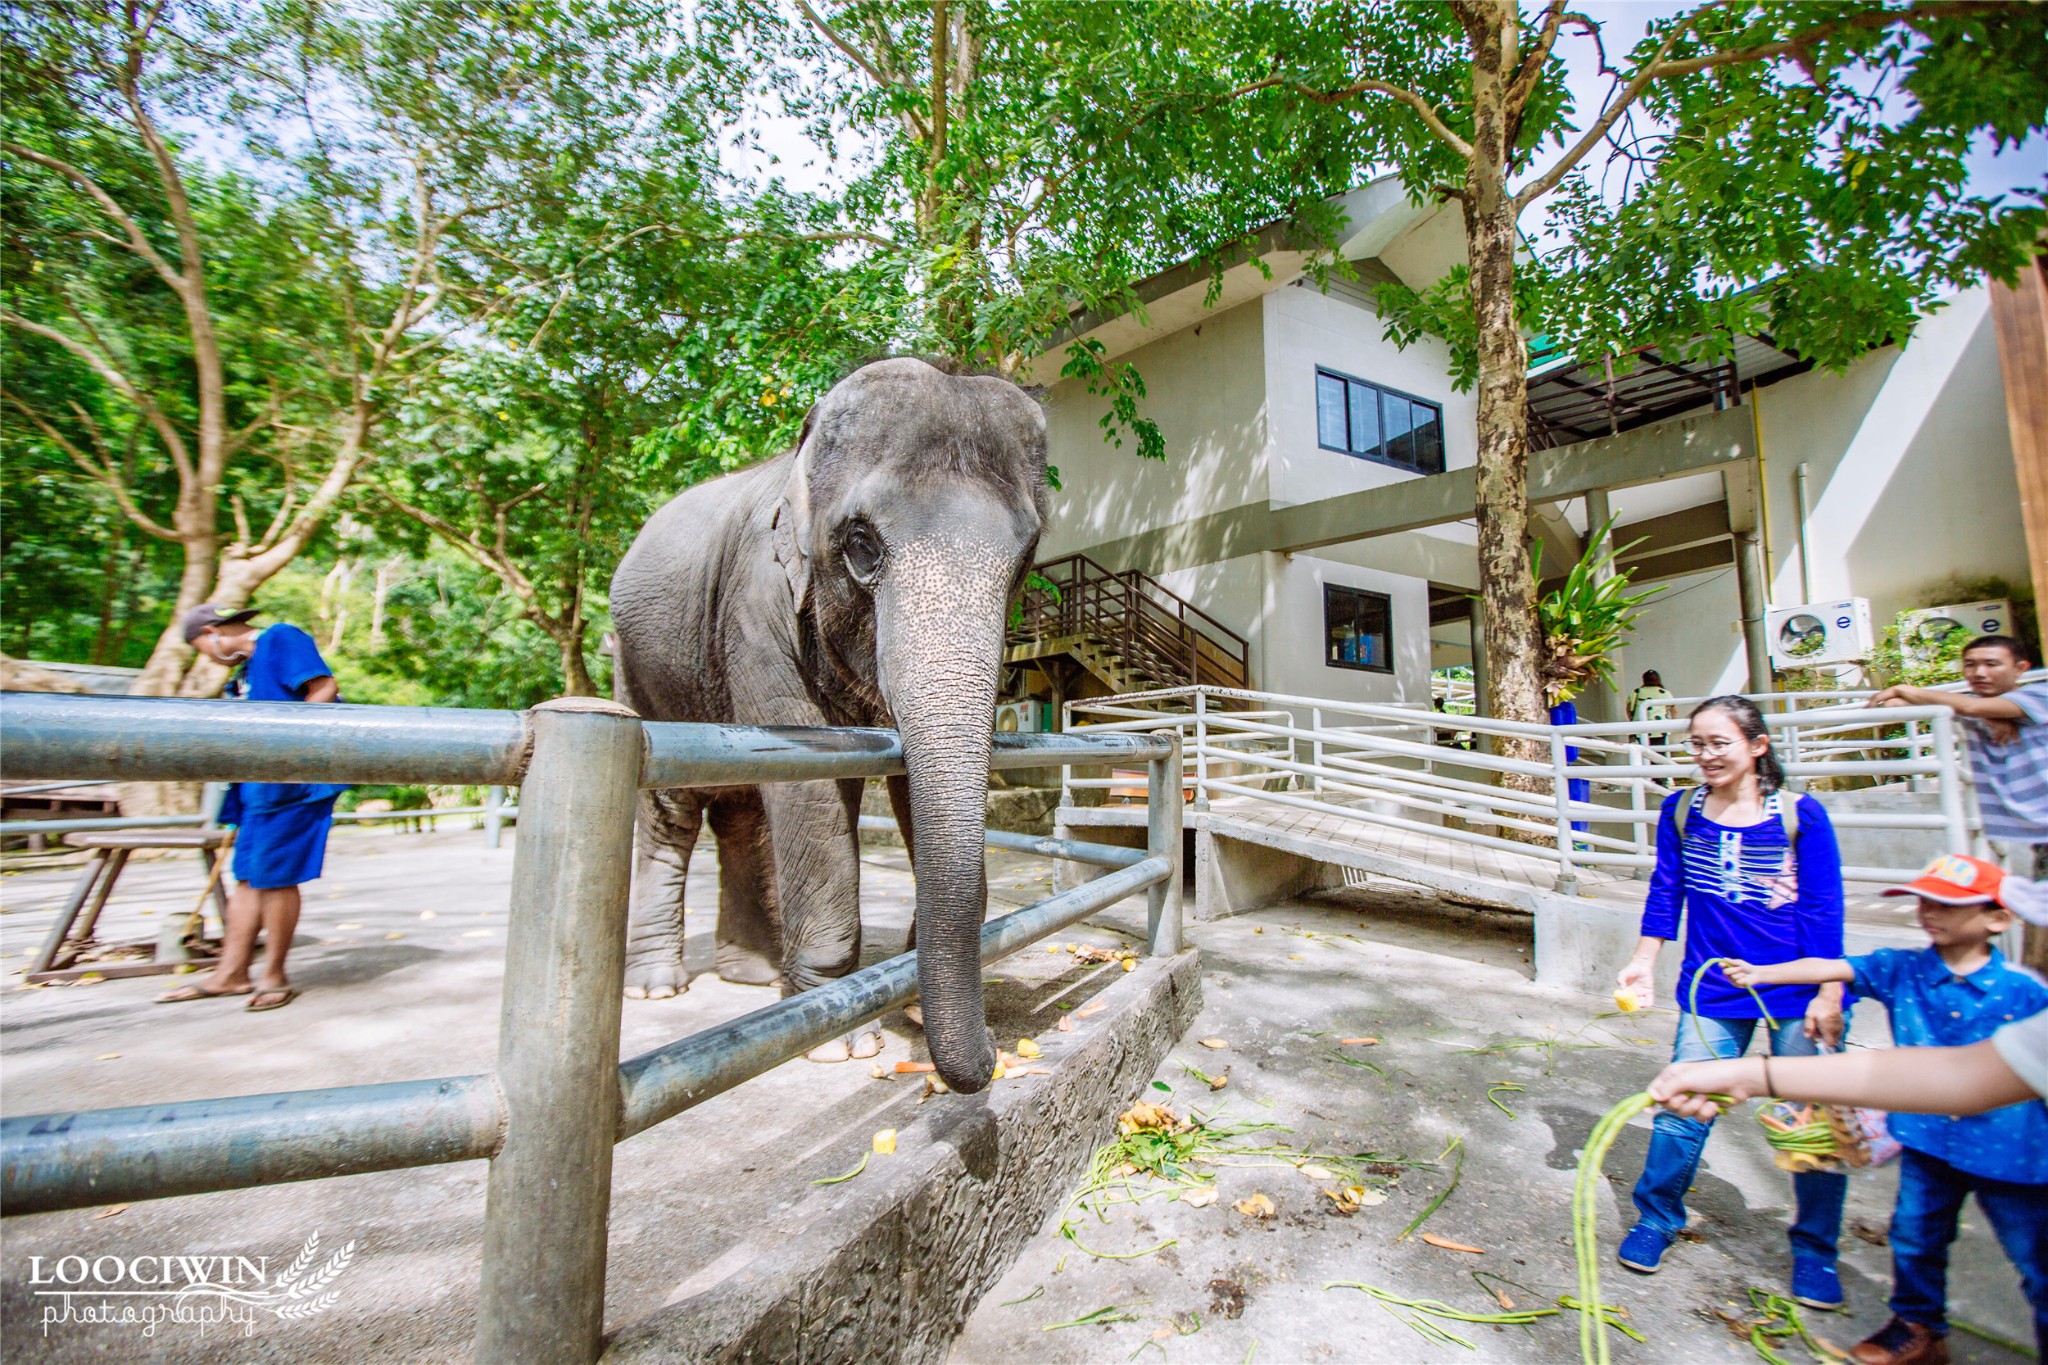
(860,579)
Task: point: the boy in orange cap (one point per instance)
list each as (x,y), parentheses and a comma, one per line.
(1957,991)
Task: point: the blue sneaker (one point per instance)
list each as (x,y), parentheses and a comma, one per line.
(1815,1283)
(1643,1249)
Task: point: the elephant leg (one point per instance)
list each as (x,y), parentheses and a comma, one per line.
(899,802)
(813,830)
(664,831)
(749,937)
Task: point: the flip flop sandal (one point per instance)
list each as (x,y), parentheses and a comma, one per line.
(185,993)
(286,995)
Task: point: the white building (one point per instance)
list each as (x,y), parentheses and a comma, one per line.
(1313,503)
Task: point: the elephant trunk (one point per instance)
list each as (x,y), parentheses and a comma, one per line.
(941,647)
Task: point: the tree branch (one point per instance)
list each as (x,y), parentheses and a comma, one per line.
(1421,106)
(874,73)
(95,470)
(120,382)
(135,240)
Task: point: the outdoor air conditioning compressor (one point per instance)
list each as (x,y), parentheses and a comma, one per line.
(1921,633)
(1027,717)
(1817,633)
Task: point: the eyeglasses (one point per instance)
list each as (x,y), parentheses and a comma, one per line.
(1709,748)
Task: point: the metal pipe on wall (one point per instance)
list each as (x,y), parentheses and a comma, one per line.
(1805,511)
(1749,586)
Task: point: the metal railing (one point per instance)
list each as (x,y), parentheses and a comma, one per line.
(496,813)
(548,1117)
(1393,767)
(1153,630)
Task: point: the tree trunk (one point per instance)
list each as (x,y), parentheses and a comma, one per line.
(575,675)
(1507,587)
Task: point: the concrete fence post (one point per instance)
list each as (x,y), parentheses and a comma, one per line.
(549,1192)
(1163,840)
(494,817)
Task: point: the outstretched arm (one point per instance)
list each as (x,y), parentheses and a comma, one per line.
(1804,971)
(1908,1080)
(1962,703)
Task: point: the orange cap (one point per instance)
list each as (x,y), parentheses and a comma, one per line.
(1953,879)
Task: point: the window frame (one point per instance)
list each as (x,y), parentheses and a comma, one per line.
(1379,390)
(1386,601)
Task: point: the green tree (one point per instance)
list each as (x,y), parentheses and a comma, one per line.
(1802,174)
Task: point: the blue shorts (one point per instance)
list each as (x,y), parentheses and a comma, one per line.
(280,846)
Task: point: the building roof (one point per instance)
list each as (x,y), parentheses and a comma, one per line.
(1570,402)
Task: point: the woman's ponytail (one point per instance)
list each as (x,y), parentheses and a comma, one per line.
(1770,774)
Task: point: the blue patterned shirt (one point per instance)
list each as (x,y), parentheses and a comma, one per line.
(1933,1007)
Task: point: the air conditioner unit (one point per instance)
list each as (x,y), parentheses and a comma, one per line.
(1027,717)
(1817,633)
(1921,633)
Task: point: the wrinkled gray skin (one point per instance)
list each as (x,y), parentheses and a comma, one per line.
(862,579)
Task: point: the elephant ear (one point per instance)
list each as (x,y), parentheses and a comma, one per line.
(793,522)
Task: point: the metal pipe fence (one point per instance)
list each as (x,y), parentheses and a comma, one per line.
(1391,767)
(559,1100)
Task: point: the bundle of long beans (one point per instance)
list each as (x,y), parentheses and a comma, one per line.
(1794,1131)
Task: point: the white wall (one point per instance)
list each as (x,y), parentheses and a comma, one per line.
(1205,387)
(1305,329)
(1291,654)
(1691,634)
(1234,592)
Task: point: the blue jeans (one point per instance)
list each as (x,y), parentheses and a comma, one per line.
(1676,1143)
(1931,1196)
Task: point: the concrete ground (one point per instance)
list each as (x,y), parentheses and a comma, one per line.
(1447,992)
(400,955)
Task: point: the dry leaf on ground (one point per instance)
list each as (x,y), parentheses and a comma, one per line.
(1448,1245)
(1144,1116)
(1066,1023)
(1199,1199)
(1318,1172)
(1092,1007)
(1217,1043)
(1027,1048)
(1359,1042)
(108,1057)
(113,1212)
(1258,1206)
(1369,1197)
(885,1142)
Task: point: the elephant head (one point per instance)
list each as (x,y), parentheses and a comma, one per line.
(910,517)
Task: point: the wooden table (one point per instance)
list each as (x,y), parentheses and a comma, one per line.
(71,935)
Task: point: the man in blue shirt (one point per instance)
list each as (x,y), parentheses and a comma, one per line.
(1954,993)
(281,827)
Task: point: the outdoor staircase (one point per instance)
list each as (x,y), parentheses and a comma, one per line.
(1125,628)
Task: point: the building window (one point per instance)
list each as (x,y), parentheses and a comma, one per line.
(1374,423)
(1358,629)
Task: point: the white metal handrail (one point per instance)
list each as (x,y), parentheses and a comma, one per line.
(1394,767)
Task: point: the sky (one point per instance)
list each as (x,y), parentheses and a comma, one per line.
(784,151)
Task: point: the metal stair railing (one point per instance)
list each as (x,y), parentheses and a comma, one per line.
(1150,631)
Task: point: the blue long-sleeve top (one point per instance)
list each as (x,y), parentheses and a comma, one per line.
(1743,894)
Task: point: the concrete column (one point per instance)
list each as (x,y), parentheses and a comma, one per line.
(1749,585)
(1598,510)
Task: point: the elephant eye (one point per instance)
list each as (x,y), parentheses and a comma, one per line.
(863,554)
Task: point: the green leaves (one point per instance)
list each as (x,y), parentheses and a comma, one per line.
(1586,617)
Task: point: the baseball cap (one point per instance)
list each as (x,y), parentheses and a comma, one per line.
(1953,879)
(207,615)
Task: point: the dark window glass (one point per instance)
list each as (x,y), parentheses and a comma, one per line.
(1365,420)
(1358,629)
(1399,427)
(1429,439)
(1330,423)
(1378,424)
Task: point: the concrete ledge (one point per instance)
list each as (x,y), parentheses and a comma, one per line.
(889,1266)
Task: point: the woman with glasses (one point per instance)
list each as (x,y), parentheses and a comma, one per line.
(1755,873)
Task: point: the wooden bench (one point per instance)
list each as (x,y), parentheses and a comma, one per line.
(72,934)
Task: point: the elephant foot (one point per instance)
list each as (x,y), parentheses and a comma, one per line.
(744,968)
(864,1044)
(654,980)
(915,1014)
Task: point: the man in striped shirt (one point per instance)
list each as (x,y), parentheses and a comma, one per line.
(2008,728)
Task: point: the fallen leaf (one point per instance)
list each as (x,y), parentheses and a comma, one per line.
(885,1142)
(934,1086)
(1828,1348)
(1318,1172)
(1295,957)
(1369,1198)
(879,1072)
(1345,1198)
(1027,1048)
(1500,1296)
(1000,1071)
(1258,931)
(1359,1042)
(1052,948)
(1199,1199)
(1092,1007)
(1258,1206)
(1448,1245)
(1217,1082)
(1066,1024)
(1145,1116)
(394,935)
(430,914)
(114,1212)
(108,1057)
(1217,1043)
(340,927)
(915,1014)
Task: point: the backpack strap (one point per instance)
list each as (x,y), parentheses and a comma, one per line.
(1788,818)
(1682,812)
